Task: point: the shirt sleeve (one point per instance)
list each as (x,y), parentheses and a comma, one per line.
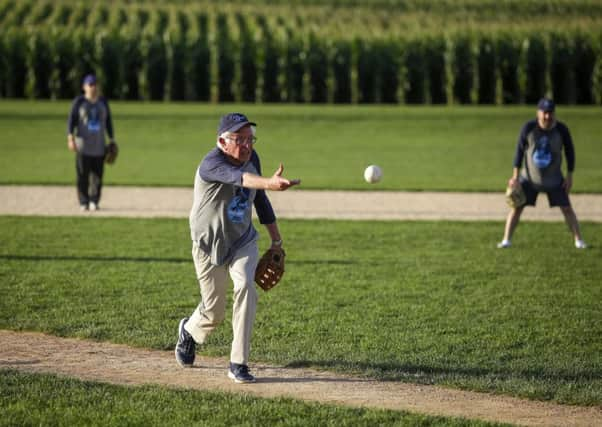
(263,207)
(73,119)
(215,168)
(520,146)
(569,148)
(109,124)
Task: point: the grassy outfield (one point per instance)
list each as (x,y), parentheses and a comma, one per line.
(423,302)
(420,148)
(27,399)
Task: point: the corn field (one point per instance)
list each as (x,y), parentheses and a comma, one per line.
(298,51)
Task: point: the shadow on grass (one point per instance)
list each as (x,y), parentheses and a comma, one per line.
(99,258)
(321,261)
(428,374)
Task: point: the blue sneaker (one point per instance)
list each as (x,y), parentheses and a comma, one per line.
(240,374)
(185,348)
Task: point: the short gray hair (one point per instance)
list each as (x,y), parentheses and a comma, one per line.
(226,134)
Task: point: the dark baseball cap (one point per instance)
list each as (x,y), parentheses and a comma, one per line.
(232,122)
(90,79)
(546,105)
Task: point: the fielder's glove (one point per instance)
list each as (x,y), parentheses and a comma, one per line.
(270,268)
(515,196)
(111,152)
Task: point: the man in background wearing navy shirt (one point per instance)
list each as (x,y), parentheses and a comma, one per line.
(89,119)
(227,184)
(539,152)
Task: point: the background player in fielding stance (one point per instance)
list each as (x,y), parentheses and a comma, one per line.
(227,183)
(540,145)
(89,119)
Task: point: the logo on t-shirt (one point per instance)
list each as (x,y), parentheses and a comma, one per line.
(93,120)
(238,206)
(542,154)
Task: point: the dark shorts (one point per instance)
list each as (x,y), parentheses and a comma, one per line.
(556,197)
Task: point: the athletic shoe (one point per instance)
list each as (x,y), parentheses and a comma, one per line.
(83,208)
(504,244)
(580,244)
(240,374)
(185,348)
(94,206)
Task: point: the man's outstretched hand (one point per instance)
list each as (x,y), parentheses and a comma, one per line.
(278,183)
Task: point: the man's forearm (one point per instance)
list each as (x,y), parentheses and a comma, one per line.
(274,232)
(250,180)
(276,182)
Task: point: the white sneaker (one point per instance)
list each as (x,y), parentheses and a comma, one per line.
(504,244)
(83,208)
(580,244)
(93,206)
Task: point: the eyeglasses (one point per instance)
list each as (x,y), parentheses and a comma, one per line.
(251,140)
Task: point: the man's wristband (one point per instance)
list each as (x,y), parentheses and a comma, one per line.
(277,242)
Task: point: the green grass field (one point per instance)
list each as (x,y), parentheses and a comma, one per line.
(429,303)
(328,147)
(420,302)
(28,399)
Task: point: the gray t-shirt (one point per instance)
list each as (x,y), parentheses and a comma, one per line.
(89,121)
(221,214)
(542,150)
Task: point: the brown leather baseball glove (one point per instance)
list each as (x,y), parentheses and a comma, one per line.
(270,268)
(515,196)
(111,152)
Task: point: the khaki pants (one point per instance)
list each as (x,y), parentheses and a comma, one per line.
(213,280)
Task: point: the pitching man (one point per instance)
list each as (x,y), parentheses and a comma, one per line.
(227,184)
(540,146)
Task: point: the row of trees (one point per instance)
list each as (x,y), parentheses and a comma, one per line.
(236,57)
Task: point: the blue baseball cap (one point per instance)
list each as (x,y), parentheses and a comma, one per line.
(546,105)
(90,79)
(231,122)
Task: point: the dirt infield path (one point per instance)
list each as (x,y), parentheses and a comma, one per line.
(119,364)
(175,203)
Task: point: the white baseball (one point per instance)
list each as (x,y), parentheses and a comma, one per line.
(373,174)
